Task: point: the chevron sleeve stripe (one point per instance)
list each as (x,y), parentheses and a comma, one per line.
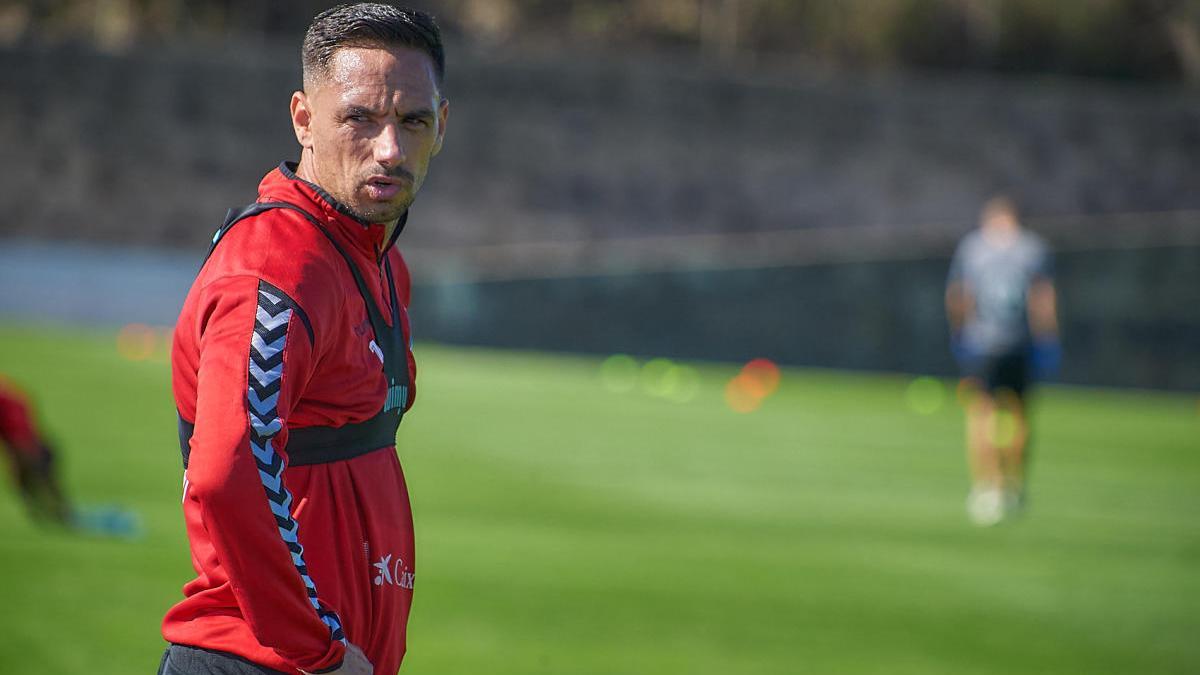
(266,374)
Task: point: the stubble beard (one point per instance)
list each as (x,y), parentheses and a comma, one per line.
(365,209)
(382,213)
(371,211)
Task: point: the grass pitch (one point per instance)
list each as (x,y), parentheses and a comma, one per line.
(564,528)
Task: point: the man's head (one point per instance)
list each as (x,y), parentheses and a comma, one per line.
(372,114)
(999,215)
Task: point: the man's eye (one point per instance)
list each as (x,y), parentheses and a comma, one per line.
(416,122)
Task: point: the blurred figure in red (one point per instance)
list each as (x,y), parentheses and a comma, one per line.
(1001,304)
(31,458)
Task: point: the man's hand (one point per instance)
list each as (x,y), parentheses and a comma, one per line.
(354,663)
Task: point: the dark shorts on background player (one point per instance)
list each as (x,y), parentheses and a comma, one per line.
(1002,372)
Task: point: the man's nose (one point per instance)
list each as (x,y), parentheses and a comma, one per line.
(388,151)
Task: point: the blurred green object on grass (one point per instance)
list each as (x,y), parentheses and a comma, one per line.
(572,528)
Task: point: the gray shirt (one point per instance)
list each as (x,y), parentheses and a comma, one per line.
(998,278)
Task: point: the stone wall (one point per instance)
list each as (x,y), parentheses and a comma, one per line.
(614,159)
(152,147)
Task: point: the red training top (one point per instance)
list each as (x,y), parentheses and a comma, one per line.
(17,429)
(275,338)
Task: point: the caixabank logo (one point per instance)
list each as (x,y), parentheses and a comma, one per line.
(388,573)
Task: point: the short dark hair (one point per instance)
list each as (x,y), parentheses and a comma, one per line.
(370,24)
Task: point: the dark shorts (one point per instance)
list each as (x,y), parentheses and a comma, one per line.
(185,660)
(997,373)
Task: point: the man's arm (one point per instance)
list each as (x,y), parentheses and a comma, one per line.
(958,295)
(1043,309)
(958,305)
(255,355)
(1041,303)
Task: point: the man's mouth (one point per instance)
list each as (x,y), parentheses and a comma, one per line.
(383,188)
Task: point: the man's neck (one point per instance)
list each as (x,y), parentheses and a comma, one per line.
(306,171)
(1001,236)
(388,230)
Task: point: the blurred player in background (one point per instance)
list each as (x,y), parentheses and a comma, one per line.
(1001,304)
(31,458)
(35,471)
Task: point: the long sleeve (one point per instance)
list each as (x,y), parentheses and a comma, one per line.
(256,355)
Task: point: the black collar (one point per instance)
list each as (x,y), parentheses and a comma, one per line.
(288,169)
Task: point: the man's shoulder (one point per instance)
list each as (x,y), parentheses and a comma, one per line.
(970,246)
(1036,255)
(280,246)
(1034,243)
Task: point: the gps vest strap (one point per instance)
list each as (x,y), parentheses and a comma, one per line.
(319,445)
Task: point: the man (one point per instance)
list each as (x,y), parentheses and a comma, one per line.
(292,367)
(31,458)
(1000,300)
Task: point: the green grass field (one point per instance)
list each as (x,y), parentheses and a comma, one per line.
(566,529)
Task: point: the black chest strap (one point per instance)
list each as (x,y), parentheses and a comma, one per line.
(319,445)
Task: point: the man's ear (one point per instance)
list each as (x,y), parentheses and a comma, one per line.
(443,115)
(302,118)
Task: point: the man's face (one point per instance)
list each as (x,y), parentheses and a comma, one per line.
(369,128)
(1000,220)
